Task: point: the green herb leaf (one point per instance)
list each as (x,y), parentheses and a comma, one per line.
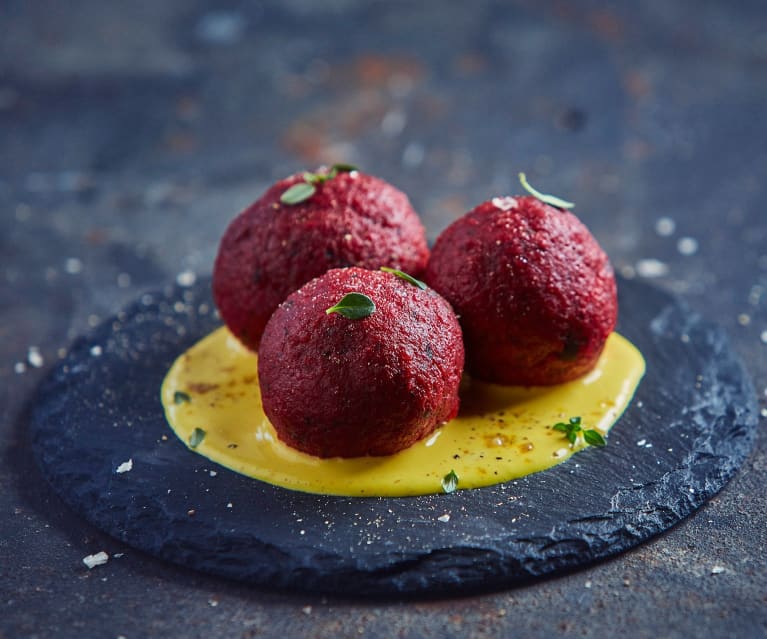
(342,168)
(298,193)
(180,397)
(594,438)
(353,306)
(546,199)
(311,178)
(195,439)
(450,482)
(573,427)
(404,276)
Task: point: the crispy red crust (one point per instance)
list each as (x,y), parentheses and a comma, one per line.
(335,387)
(534,292)
(271,249)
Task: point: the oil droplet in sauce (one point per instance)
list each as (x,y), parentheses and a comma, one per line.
(501,433)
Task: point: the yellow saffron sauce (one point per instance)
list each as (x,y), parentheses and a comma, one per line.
(501,433)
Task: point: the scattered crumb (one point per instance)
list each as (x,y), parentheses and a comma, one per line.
(744,319)
(587,584)
(716,570)
(19,367)
(73,266)
(665,226)
(125,467)
(213,602)
(98,559)
(641,442)
(504,203)
(117,555)
(96,351)
(394,122)
(34,357)
(763,337)
(186,278)
(687,245)
(444,518)
(213,473)
(191,512)
(628,271)
(229,505)
(413,155)
(650,267)
(307,610)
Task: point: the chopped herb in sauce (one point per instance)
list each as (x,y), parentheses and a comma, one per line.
(180,397)
(450,482)
(573,427)
(195,439)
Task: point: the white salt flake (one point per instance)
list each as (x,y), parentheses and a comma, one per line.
(413,155)
(19,368)
(444,518)
(641,442)
(221,27)
(73,266)
(763,337)
(99,559)
(665,226)
(307,610)
(96,351)
(394,122)
(687,245)
(504,203)
(229,505)
(186,278)
(213,473)
(717,570)
(125,467)
(34,357)
(650,267)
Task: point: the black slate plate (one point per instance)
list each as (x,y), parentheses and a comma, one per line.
(695,413)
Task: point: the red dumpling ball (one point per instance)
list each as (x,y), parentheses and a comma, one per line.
(281,241)
(534,292)
(372,383)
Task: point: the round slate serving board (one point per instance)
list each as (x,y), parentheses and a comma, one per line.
(690,426)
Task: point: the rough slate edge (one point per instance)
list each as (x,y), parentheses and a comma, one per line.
(94,412)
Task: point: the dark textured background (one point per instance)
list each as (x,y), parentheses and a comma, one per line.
(130,133)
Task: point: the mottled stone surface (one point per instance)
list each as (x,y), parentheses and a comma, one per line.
(132,132)
(100,436)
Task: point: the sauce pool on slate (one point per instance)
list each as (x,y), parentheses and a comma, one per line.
(213,403)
